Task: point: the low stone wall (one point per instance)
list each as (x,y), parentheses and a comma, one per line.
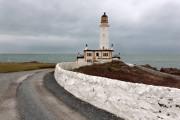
(127,100)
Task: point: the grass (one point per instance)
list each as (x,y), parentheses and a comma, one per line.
(16,67)
(120,71)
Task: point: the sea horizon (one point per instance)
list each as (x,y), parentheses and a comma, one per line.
(156,60)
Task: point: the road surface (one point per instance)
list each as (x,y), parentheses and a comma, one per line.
(35,95)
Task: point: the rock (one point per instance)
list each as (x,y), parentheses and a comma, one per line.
(174,71)
(150,67)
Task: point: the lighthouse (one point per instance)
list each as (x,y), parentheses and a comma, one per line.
(104,53)
(104,34)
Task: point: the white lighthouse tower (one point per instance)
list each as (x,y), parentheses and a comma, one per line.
(104,34)
(104,53)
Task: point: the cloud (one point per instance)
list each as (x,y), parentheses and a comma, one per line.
(66,25)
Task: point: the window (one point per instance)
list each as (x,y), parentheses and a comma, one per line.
(89,54)
(105,54)
(97,54)
(88,60)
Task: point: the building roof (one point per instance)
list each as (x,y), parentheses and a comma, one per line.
(99,50)
(80,56)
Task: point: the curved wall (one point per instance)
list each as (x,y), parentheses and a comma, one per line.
(127,100)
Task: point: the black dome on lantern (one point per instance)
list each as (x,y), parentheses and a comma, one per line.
(104,15)
(104,18)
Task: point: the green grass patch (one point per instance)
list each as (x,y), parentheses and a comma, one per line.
(16,67)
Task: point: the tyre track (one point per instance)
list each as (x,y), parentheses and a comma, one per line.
(30,106)
(8,102)
(89,111)
(37,103)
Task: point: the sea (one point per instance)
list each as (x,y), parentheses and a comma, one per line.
(155,60)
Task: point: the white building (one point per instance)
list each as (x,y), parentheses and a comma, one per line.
(104,53)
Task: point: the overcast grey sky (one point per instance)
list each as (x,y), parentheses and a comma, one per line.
(67,25)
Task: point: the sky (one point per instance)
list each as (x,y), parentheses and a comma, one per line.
(65,26)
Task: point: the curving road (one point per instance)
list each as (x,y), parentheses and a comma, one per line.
(35,95)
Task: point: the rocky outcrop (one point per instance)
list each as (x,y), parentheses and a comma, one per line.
(149,66)
(173,71)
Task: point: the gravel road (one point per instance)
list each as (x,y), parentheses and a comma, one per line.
(35,95)
(9,83)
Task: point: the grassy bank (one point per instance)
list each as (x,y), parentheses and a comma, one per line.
(121,71)
(16,67)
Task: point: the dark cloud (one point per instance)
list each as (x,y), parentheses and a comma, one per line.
(66,25)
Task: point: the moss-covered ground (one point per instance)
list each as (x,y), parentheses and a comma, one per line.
(16,67)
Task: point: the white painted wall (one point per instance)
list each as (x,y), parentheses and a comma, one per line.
(104,37)
(80,60)
(127,100)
